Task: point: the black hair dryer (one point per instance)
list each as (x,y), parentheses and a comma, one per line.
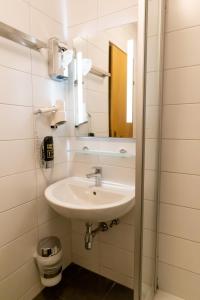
(47,152)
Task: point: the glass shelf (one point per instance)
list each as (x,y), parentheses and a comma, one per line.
(104,153)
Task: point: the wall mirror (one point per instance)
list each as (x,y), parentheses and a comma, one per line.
(103,82)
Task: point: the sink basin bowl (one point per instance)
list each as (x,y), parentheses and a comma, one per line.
(78,198)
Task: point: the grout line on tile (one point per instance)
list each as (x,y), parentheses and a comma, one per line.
(108,292)
(18,237)
(181,139)
(182,173)
(183,269)
(180,67)
(181,29)
(16,206)
(178,205)
(44,13)
(118,11)
(178,237)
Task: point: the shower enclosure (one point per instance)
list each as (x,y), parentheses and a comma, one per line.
(148,111)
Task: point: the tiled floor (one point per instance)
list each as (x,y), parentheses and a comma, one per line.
(81,284)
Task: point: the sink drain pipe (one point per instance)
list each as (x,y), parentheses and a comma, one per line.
(91,233)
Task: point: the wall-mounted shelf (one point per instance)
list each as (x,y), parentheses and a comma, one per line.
(87,151)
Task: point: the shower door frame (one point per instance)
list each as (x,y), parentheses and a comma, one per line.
(140,137)
(139,178)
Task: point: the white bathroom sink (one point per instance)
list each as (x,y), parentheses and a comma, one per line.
(78,198)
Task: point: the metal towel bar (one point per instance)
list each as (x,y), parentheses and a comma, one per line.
(20,37)
(99,72)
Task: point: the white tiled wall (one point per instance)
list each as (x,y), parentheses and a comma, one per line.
(99,15)
(179,252)
(24,84)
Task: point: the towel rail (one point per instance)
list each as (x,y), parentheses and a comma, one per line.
(20,37)
(99,72)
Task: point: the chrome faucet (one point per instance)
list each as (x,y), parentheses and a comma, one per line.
(97,174)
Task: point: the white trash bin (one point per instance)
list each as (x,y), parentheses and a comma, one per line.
(49,260)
